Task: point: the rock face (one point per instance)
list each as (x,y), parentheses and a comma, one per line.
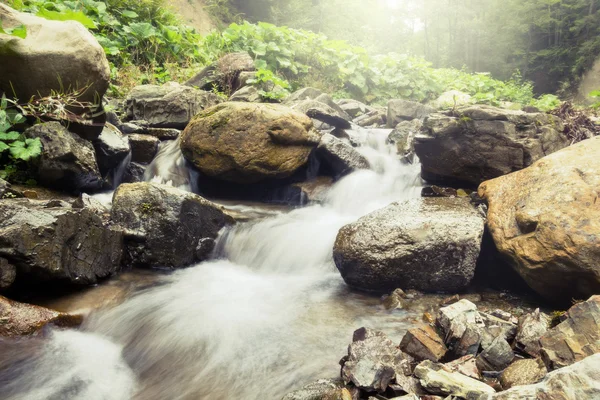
(20,319)
(111,148)
(404,110)
(436,380)
(576,382)
(423,343)
(546,219)
(224,73)
(575,338)
(8,274)
(167,106)
(485,142)
(54,55)
(143,148)
(340,157)
(427,244)
(67,162)
(50,241)
(247,143)
(166,227)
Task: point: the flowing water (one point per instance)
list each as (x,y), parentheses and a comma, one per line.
(268,315)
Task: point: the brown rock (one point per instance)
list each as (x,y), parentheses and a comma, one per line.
(143,148)
(465,365)
(523,372)
(531,328)
(546,219)
(423,343)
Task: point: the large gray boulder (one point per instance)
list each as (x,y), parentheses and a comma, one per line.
(339,156)
(165,226)
(167,106)
(429,244)
(55,55)
(51,241)
(476,143)
(405,110)
(68,162)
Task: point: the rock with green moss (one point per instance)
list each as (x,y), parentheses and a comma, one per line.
(165,226)
(248,143)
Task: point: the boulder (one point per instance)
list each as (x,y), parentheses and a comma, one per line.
(324,113)
(423,343)
(134,173)
(576,382)
(167,106)
(307,93)
(339,157)
(466,365)
(247,94)
(55,55)
(8,273)
(461,322)
(546,220)
(473,144)
(496,356)
(165,226)
(50,241)
(354,108)
(68,162)
(428,244)
(19,319)
(143,148)
(405,110)
(224,74)
(247,143)
(111,148)
(403,136)
(531,328)
(575,338)
(452,99)
(324,389)
(523,372)
(436,380)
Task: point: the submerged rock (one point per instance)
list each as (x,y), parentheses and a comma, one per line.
(546,220)
(427,244)
(247,143)
(166,227)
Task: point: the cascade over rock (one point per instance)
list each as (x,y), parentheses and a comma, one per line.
(546,220)
(247,143)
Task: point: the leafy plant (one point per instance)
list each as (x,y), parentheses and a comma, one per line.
(19,31)
(267,83)
(596,95)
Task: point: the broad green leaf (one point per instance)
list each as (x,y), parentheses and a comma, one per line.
(9,136)
(30,148)
(68,15)
(260,64)
(141,30)
(3,147)
(129,14)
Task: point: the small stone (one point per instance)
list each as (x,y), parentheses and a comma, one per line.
(531,328)
(450,300)
(143,148)
(496,357)
(523,372)
(465,365)
(163,133)
(469,343)
(30,194)
(506,316)
(394,300)
(456,318)
(423,343)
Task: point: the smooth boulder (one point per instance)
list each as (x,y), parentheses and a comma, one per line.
(428,244)
(546,220)
(165,226)
(405,110)
(473,144)
(248,143)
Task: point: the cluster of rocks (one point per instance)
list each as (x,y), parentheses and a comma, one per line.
(469,354)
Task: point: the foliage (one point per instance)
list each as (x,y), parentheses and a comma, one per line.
(596,95)
(19,31)
(577,124)
(267,83)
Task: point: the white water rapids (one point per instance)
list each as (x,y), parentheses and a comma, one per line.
(267,316)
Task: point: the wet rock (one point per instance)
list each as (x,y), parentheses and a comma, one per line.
(322,112)
(405,110)
(523,372)
(423,343)
(163,133)
(143,148)
(167,106)
(247,143)
(576,382)
(134,173)
(31,232)
(531,328)
(461,324)
(495,357)
(466,365)
(484,142)
(373,361)
(89,202)
(496,327)
(111,148)
(395,300)
(436,380)
(8,274)
(544,219)
(391,247)
(403,136)
(19,319)
(324,389)
(68,162)
(224,73)
(313,191)
(574,339)
(165,225)
(340,157)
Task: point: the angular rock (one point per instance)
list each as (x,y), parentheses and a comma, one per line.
(324,113)
(390,248)
(224,73)
(576,382)
(167,106)
(340,157)
(247,94)
(143,148)
(523,372)
(373,119)
(423,343)
(404,110)
(313,191)
(32,232)
(163,133)
(165,225)
(111,148)
(55,55)
(574,339)
(247,143)
(545,219)
(19,319)
(495,357)
(395,300)
(354,108)
(484,142)
(531,328)
(466,365)
(403,136)
(307,93)
(68,162)
(134,173)
(324,389)
(436,380)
